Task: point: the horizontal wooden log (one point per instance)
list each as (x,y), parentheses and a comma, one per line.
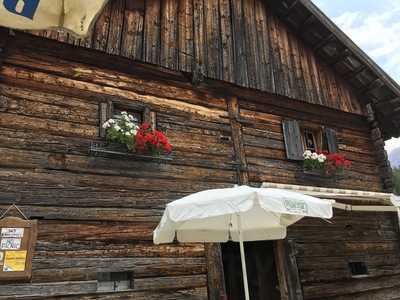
(74,87)
(50,106)
(47,289)
(104,166)
(346,248)
(26,123)
(343,235)
(38,290)
(91,214)
(110,247)
(183,294)
(25,193)
(349,287)
(341,262)
(84,72)
(112,182)
(385,293)
(321,275)
(70,268)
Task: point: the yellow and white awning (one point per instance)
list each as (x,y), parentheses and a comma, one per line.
(76,16)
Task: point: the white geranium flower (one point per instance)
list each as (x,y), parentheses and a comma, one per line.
(117,128)
(111,121)
(314,155)
(321,157)
(307,154)
(106,125)
(124,113)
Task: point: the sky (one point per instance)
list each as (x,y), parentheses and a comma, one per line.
(375,27)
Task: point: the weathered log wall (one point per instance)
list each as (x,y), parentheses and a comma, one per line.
(324,250)
(265,148)
(97,214)
(241,42)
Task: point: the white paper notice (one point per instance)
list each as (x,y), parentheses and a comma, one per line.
(10,244)
(12,232)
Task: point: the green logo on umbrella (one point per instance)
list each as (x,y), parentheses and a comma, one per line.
(296,206)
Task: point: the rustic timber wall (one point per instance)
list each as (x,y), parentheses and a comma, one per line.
(97,214)
(236,41)
(265,148)
(324,250)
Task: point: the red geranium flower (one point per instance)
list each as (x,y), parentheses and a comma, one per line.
(153,141)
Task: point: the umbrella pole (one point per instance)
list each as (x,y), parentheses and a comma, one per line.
(243,258)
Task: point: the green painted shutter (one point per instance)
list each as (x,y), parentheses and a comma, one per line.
(331,140)
(293,141)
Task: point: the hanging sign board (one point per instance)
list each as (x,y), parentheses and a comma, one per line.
(17,243)
(76,16)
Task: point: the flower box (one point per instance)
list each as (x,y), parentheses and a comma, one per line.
(125,137)
(325,165)
(105,149)
(321,173)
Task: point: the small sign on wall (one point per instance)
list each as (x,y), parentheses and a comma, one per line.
(17,243)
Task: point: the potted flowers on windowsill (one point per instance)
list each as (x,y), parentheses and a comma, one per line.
(325,164)
(123,133)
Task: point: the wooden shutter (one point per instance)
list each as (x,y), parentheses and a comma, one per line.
(105,112)
(293,141)
(331,140)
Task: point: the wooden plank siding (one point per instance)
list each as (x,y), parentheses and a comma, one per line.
(97,214)
(236,41)
(324,250)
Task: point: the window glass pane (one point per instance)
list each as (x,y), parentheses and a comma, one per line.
(138,119)
(310,142)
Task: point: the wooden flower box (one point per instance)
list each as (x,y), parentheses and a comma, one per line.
(105,149)
(322,174)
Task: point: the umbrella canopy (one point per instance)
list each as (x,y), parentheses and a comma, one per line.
(74,15)
(213,215)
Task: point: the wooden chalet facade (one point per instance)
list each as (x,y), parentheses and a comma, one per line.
(229,81)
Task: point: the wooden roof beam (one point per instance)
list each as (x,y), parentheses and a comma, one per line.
(323,42)
(354,73)
(389,104)
(342,55)
(288,8)
(307,22)
(375,84)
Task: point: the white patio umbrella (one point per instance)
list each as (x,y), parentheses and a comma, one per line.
(76,16)
(237,214)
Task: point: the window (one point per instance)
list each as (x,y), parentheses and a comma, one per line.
(138,115)
(299,137)
(358,269)
(114,281)
(310,140)
(110,109)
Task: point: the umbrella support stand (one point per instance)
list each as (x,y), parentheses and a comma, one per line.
(243,258)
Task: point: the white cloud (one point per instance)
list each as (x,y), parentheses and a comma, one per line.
(377,34)
(392,144)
